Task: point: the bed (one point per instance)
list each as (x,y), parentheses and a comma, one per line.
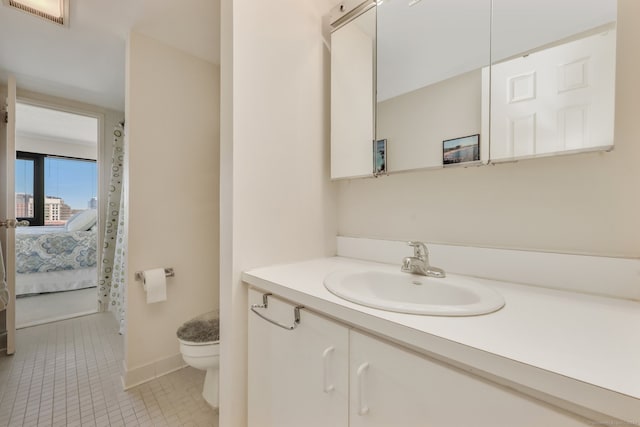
(54,259)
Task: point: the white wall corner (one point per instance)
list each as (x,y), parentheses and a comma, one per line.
(171,154)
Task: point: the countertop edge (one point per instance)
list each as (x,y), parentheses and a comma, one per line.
(569,393)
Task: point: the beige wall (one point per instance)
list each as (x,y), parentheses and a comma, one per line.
(416,123)
(172,155)
(583,203)
(277,201)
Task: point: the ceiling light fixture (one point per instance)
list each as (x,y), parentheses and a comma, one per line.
(56,11)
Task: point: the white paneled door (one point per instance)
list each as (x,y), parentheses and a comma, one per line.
(555,100)
(7,206)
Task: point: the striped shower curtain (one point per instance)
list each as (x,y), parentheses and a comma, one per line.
(111,283)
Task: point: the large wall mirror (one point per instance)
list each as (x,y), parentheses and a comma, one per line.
(522,78)
(430,60)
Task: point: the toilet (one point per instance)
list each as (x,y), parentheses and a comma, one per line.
(200,347)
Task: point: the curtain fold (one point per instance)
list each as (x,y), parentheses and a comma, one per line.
(4,291)
(111,283)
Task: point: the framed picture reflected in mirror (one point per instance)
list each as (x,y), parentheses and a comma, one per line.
(464,150)
(380,158)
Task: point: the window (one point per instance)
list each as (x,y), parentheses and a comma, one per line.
(29,188)
(50,189)
(56,11)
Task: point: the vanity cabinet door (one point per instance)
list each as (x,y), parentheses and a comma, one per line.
(391,386)
(297,377)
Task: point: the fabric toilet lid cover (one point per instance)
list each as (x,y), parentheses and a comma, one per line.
(203,328)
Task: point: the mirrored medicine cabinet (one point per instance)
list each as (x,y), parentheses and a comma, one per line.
(516,79)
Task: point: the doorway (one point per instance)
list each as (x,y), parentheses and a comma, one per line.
(56,191)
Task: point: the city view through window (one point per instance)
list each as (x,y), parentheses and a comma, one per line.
(70,186)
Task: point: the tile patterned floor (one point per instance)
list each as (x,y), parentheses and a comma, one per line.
(67,373)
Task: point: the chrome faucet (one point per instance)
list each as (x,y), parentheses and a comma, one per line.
(419,262)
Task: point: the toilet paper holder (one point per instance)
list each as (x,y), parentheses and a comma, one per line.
(168,272)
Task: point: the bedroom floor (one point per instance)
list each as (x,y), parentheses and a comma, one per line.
(67,373)
(43,308)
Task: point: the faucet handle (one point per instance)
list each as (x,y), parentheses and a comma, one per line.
(419,249)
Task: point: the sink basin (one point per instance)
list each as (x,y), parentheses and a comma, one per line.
(408,293)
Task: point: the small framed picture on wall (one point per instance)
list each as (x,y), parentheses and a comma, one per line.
(461,150)
(380,157)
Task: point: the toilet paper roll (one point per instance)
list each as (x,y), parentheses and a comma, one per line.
(155,284)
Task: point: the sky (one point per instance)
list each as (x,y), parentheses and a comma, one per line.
(73,180)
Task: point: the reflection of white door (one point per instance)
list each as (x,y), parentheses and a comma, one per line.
(554,100)
(7,208)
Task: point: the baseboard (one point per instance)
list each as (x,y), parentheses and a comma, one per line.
(55,319)
(142,374)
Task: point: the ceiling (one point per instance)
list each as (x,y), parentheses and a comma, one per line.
(86,61)
(33,121)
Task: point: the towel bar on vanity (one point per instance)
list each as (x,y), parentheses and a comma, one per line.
(168,272)
(265,305)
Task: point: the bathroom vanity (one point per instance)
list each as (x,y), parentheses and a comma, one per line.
(548,357)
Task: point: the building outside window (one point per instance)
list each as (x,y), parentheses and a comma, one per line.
(50,189)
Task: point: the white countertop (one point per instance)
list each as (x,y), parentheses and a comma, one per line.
(580,348)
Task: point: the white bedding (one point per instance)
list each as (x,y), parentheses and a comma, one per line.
(46,229)
(55,281)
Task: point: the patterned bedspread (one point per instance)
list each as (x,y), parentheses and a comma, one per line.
(39,253)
